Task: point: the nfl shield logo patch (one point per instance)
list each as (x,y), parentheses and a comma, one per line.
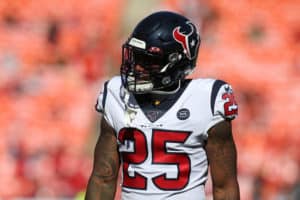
(183,114)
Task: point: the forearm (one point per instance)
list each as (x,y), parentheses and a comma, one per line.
(99,189)
(227,192)
(103,180)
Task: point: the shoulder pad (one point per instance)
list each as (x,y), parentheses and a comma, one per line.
(222,100)
(100,104)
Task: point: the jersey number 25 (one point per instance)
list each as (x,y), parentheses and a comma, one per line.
(160,156)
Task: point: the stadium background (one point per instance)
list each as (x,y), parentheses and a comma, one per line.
(54,56)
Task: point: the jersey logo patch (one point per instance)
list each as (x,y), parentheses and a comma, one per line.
(183,114)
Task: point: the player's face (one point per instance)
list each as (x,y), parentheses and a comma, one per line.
(141,68)
(144,73)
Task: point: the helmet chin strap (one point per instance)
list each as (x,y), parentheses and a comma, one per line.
(167,92)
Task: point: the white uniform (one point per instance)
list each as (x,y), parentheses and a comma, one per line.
(165,158)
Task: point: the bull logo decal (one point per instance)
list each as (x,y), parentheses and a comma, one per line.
(186,40)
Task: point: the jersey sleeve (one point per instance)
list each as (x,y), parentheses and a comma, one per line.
(101,100)
(223,104)
(101,105)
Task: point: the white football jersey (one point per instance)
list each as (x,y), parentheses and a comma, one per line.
(165,158)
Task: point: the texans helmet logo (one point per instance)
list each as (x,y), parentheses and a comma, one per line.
(189,45)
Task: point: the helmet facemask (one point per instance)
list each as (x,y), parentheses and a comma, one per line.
(146,71)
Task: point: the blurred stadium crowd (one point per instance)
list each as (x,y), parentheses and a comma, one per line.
(54,56)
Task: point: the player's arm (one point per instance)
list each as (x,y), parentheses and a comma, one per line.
(103,180)
(222,157)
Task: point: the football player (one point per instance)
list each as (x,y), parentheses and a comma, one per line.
(162,128)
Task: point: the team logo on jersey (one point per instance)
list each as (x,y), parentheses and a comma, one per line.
(186,40)
(183,114)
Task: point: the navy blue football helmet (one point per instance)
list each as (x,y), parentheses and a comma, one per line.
(161,51)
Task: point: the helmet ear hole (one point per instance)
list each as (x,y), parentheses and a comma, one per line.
(174,57)
(166,80)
